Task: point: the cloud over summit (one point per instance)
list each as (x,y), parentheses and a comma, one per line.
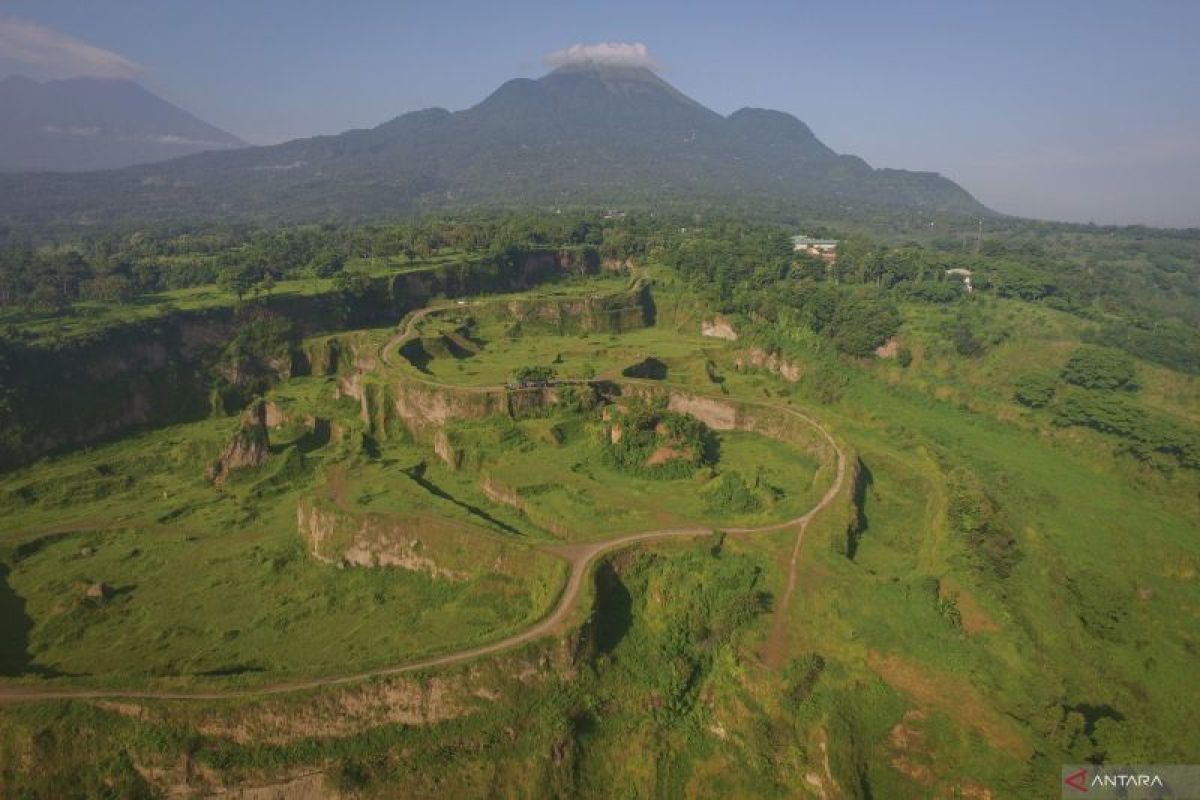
(616,54)
(58,55)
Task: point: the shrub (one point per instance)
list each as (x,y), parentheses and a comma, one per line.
(533,374)
(966,341)
(645,427)
(983,525)
(862,322)
(1100,368)
(1115,414)
(731,494)
(1035,390)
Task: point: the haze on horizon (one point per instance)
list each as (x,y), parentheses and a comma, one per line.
(1082,111)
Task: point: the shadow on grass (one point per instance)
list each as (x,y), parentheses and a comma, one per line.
(414,352)
(417,474)
(310,440)
(614,608)
(860,524)
(231,670)
(15,627)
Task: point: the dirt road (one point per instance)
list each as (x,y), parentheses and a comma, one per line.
(579,557)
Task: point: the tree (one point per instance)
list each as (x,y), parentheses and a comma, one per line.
(355,285)
(265,285)
(327,264)
(109,288)
(236,279)
(45,298)
(863,322)
(69,270)
(966,341)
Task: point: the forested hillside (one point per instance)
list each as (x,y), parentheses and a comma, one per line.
(581,136)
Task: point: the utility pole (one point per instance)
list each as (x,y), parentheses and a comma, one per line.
(979,238)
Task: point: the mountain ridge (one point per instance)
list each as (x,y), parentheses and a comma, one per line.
(579,135)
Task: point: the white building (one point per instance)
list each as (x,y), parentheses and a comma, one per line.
(965,274)
(823,248)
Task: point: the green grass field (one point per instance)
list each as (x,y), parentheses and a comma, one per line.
(565,485)
(216,585)
(993,596)
(213,582)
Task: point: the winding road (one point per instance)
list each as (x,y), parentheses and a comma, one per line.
(579,557)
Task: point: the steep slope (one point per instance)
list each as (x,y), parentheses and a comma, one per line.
(93,123)
(581,135)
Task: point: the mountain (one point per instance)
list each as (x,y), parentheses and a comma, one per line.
(581,135)
(95,123)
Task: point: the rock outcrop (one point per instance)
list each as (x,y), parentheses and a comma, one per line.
(440,548)
(889,349)
(367,541)
(445,449)
(621,311)
(718,328)
(425,408)
(716,414)
(249,447)
(772,362)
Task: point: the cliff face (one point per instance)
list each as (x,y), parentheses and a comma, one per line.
(249,447)
(159,372)
(624,311)
(442,549)
(790,371)
(86,390)
(719,328)
(725,414)
(498,492)
(615,313)
(425,408)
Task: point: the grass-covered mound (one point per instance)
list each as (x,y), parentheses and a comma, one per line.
(556,470)
(645,439)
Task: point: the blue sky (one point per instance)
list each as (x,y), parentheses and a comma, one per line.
(1072,109)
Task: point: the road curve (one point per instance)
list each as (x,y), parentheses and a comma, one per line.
(579,557)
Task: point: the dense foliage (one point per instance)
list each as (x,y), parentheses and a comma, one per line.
(1142,287)
(115,268)
(643,431)
(1035,390)
(1100,368)
(1145,433)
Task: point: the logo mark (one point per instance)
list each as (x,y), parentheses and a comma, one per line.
(1077,780)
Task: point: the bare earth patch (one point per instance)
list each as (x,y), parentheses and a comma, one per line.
(974,618)
(953,697)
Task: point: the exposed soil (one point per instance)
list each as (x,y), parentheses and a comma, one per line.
(952,696)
